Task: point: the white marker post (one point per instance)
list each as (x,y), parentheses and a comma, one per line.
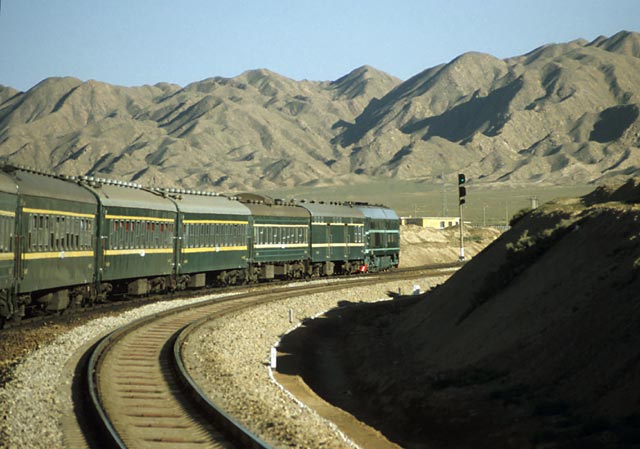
(274,357)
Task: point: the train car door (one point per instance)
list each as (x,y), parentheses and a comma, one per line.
(9,247)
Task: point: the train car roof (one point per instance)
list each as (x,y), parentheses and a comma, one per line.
(322,209)
(125,196)
(277,210)
(262,205)
(49,186)
(204,204)
(377,212)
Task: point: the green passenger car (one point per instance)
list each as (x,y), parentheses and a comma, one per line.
(212,247)
(8,207)
(56,219)
(337,237)
(279,238)
(137,238)
(382,237)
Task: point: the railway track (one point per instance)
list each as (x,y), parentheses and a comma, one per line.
(140,396)
(124,303)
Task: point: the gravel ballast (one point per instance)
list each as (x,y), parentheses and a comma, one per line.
(229,357)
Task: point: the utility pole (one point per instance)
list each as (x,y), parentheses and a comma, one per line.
(506,213)
(462,192)
(444,195)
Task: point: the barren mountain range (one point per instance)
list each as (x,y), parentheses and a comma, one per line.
(563,113)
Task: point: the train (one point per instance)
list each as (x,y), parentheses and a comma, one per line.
(68,242)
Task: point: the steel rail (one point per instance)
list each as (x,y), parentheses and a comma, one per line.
(168,324)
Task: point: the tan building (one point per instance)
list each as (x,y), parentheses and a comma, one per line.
(431,222)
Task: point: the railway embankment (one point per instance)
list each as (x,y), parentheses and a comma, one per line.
(534,343)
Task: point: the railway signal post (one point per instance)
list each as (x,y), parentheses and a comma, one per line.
(462,192)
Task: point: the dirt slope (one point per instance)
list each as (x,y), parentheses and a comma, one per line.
(422,246)
(534,343)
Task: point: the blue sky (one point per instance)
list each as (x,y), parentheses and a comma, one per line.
(135,42)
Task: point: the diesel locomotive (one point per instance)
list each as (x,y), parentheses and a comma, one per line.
(69,242)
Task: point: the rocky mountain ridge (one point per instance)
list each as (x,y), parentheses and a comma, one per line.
(562,113)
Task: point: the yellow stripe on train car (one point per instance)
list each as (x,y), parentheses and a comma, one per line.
(234,222)
(57,255)
(213,249)
(57,212)
(131,217)
(283,245)
(279,225)
(138,251)
(335,245)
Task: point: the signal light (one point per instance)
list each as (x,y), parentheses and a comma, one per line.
(462,191)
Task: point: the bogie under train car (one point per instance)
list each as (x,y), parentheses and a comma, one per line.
(68,242)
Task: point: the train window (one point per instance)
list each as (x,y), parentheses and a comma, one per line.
(42,233)
(157,236)
(4,234)
(117,243)
(122,235)
(33,226)
(83,233)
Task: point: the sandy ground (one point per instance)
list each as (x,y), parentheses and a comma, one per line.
(421,246)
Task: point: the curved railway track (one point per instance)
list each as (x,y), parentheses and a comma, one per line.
(140,396)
